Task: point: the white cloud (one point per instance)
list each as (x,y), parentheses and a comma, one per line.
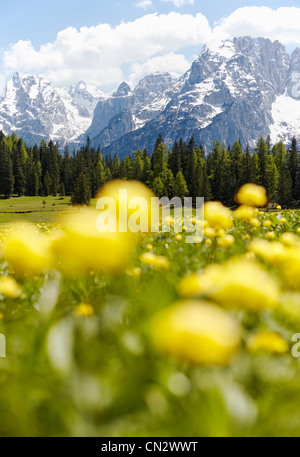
(281,24)
(180,2)
(106,55)
(97,54)
(145,4)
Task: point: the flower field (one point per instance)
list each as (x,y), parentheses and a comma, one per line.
(123,334)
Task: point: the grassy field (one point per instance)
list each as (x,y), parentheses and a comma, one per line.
(33,209)
(147,335)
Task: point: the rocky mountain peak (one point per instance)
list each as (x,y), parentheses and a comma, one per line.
(123,90)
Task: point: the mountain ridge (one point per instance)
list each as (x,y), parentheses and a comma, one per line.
(242,88)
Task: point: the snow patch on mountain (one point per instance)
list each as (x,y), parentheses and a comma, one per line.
(33,108)
(286,116)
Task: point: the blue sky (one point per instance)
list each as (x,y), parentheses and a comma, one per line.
(132,42)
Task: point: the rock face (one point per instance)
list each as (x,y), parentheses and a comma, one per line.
(244,88)
(34,109)
(126,110)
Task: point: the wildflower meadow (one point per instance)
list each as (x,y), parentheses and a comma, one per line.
(115,333)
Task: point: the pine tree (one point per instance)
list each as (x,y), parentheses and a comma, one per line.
(285,181)
(262,152)
(147,173)
(255,169)
(236,167)
(6,172)
(158,187)
(180,187)
(115,172)
(138,166)
(174,161)
(18,169)
(62,190)
(272,176)
(293,165)
(168,181)
(82,192)
(246,167)
(47,184)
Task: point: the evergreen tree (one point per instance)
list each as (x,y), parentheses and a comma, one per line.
(285,181)
(82,192)
(255,169)
(18,169)
(272,176)
(158,187)
(6,172)
(138,166)
(247,175)
(180,187)
(47,184)
(293,165)
(262,152)
(236,167)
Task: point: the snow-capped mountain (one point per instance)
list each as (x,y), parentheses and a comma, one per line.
(34,109)
(244,88)
(127,110)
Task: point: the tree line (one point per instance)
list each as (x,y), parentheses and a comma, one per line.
(185,170)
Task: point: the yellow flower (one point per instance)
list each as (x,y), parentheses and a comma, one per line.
(84,310)
(290,304)
(178,237)
(134,272)
(267,223)
(252,195)
(267,341)
(244,212)
(255,222)
(27,250)
(9,287)
(271,252)
(190,285)
(226,241)
(217,215)
(196,331)
(210,232)
(278,207)
(82,248)
(236,284)
(271,235)
(288,239)
(149,247)
(1,316)
(133,201)
(159,262)
(283,220)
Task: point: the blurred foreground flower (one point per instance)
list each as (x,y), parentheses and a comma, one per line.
(9,287)
(238,283)
(252,195)
(244,212)
(156,261)
(133,204)
(84,310)
(27,250)
(82,248)
(217,215)
(267,341)
(196,331)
